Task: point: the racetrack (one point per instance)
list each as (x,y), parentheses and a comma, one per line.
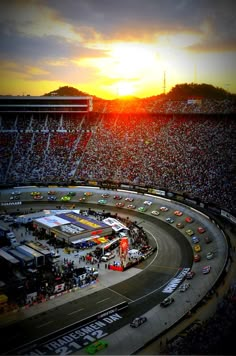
(142,291)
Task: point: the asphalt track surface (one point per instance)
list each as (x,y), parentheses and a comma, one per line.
(142,292)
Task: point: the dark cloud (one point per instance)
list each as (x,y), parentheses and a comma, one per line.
(17,46)
(141,19)
(136,20)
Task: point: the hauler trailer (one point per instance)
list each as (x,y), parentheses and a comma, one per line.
(39,259)
(43,251)
(6,257)
(26,261)
(111,245)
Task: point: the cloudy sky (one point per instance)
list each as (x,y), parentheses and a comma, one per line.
(110,48)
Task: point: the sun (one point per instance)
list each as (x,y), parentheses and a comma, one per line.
(125,88)
(131,60)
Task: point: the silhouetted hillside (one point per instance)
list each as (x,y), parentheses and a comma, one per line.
(206,91)
(68,91)
(178,92)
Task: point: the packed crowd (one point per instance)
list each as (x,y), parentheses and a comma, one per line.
(182,153)
(154,105)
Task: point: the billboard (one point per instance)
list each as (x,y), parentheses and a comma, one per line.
(156,191)
(115,224)
(51,221)
(82,221)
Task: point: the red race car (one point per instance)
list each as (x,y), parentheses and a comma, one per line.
(117,197)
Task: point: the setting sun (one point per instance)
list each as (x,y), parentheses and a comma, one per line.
(131,60)
(125,88)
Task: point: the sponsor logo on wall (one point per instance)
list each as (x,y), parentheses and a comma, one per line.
(173,284)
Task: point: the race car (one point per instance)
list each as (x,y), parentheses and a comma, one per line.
(102,201)
(51,192)
(131,206)
(96,346)
(210,255)
(35,193)
(142,209)
(147,202)
(201,230)
(178,213)
(190,275)
(197,248)
(120,205)
(138,321)
(195,239)
(167,301)
(106,195)
(207,239)
(206,269)
(155,212)
(188,219)
(82,199)
(38,197)
(52,198)
(184,287)
(180,225)
(65,198)
(170,220)
(71,194)
(117,197)
(129,199)
(189,232)
(163,208)
(15,197)
(16,193)
(88,194)
(197,257)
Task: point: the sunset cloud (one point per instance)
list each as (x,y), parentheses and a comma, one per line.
(95,45)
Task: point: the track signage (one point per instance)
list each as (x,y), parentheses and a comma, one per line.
(173,284)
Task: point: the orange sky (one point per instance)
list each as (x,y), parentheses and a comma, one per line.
(110,48)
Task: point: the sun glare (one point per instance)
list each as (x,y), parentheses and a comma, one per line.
(125,88)
(131,61)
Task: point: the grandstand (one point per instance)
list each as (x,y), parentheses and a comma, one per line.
(176,145)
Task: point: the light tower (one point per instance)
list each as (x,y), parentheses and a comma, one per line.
(164,82)
(195,74)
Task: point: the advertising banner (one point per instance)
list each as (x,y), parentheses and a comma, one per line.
(141,189)
(156,191)
(92,182)
(51,221)
(124,247)
(59,288)
(115,224)
(82,221)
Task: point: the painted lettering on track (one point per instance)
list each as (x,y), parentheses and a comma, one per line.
(74,340)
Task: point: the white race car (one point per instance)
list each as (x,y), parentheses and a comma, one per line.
(148,202)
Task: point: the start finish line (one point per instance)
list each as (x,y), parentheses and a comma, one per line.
(75,338)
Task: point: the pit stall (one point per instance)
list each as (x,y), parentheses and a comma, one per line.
(73,228)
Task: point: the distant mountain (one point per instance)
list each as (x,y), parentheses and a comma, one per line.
(205,91)
(178,92)
(69,91)
(186,91)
